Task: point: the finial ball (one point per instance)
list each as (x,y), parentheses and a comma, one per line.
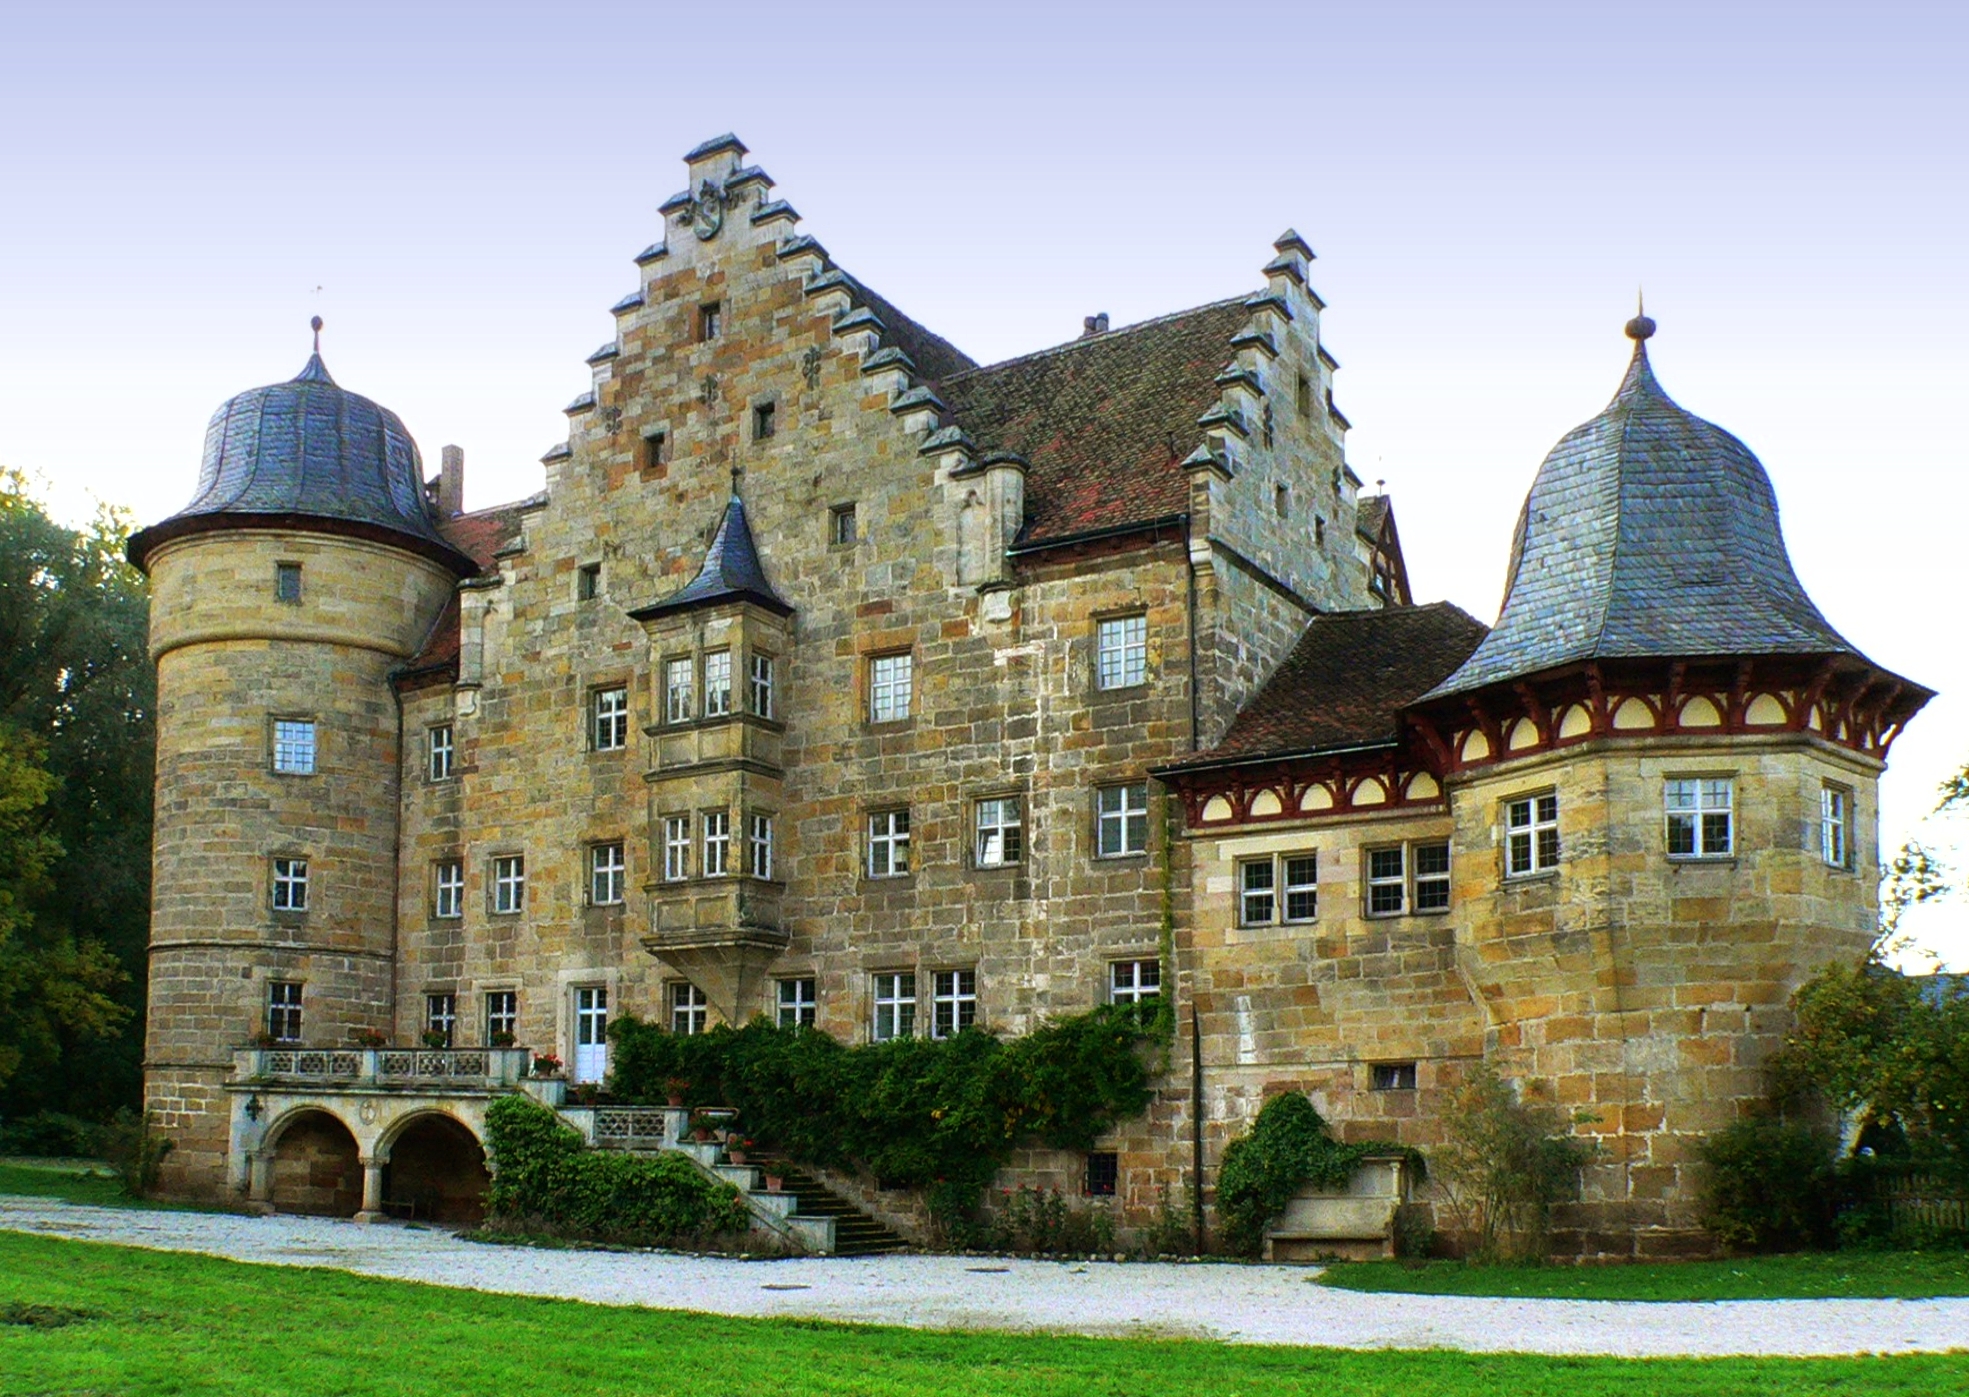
(315,324)
(1640,327)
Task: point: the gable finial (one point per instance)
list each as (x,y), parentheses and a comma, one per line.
(737,472)
(1640,327)
(315,325)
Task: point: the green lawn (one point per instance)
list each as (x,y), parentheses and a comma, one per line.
(1847,1275)
(82,1318)
(75,1183)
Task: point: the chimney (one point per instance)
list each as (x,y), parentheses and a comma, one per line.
(451,482)
(1094,325)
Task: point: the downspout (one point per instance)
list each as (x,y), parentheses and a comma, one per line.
(1196,1126)
(1189,580)
(1196,1032)
(396,852)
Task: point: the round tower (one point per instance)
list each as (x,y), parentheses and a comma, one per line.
(307,566)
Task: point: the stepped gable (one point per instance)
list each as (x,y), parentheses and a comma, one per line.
(1104,421)
(480,536)
(1648,534)
(731,573)
(934,355)
(309,454)
(1347,681)
(1372,514)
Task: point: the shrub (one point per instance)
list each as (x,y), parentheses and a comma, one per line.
(1770,1185)
(1287,1146)
(135,1151)
(1043,1221)
(1505,1162)
(546,1179)
(49,1134)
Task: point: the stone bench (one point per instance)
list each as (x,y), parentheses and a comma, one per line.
(1356,1222)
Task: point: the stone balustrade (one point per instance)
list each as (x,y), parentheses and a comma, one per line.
(424,1068)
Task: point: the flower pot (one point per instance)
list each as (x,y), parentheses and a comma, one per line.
(675,1098)
(774,1183)
(735,1156)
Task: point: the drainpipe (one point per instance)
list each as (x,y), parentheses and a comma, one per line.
(1189,578)
(1196,1126)
(396,853)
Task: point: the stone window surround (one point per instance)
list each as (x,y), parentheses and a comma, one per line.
(283,1006)
(765,418)
(277,746)
(588,582)
(895,990)
(440,752)
(709,322)
(606,872)
(1409,879)
(877,691)
(452,908)
(960,993)
(608,726)
(1698,820)
(293,878)
(1102,1176)
(506,869)
(287,582)
(892,841)
(761,684)
(677,829)
(803,1007)
(761,851)
(1391,1076)
(1836,824)
(678,677)
(1283,882)
(1135,990)
(496,1018)
(655,457)
(714,826)
(717,681)
(1541,857)
(1013,841)
(684,1002)
(1111,626)
(441,1013)
(843,529)
(1121,817)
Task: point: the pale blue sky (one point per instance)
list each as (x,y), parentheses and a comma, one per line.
(1485,185)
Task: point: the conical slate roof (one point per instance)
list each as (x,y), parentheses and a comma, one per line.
(731,573)
(309,451)
(1648,533)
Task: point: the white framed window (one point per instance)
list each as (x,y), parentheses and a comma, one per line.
(1701,817)
(290,885)
(609,728)
(1836,825)
(608,873)
(798,1002)
(762,685)
(717,843)
(676,848)
(679,690)
(284,1011)
(1000,832)
(1531,834)
(761,844)
(294,746)
(441,1016)
(509,884)
(690,1011)
(953,1002)
(1121,819)
(502,1015)
(1412,877)
(1134,981)
(1121,652)
(717,683)
(1278,888)
(895,1004)
(888,843)
(888,687)
(440,752)
(448,888)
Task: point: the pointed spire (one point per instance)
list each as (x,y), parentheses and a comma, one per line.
(731,571)
(1640,376)
(314,371)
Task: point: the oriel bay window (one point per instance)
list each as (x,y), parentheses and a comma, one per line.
(717,843)
(676,848)
(895,1004)
(679,690)
(717,683)
(762,685)
(1700,817)
(761,843)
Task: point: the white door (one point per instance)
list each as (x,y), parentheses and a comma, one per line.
(591,1034)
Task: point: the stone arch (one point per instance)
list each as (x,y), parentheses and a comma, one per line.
(435,1168)
(314,1164)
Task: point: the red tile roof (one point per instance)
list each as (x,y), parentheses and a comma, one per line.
(480,536)
(1103,422)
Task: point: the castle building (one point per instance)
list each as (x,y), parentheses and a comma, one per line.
(836,678)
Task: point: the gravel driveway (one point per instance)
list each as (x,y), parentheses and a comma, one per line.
(1233,1303)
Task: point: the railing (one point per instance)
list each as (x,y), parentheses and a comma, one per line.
(1921,1203)
(474,1067)
(631,1127)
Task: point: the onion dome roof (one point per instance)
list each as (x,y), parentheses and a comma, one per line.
(1648,533)
(309,454)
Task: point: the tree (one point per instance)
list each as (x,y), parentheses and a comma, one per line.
(1505,1163)
(77,704)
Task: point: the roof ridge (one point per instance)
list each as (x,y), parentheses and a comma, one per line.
(1634,387)
(1082,341)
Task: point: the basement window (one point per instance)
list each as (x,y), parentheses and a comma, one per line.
(1103,1174)
(1391,1076)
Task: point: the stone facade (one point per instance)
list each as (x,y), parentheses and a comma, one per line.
(642,744)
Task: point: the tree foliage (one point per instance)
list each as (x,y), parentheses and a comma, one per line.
(1504,1164)
(77,725)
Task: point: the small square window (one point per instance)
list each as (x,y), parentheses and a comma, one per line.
(999,832)
(1836,825)
(588,582)
(1121,652)
(509,885)
(679,690)
(895,1005)
(676,848)
(888,844)
(762,685)
(690,1011)
(609,712)
(441,1018)
(889,679)
(1699,812)
(1531,828)
(1103,1174)
(953,1002)
(1122,817)
(656,455)
(502,1016)
(440,752)
(607,874)
(448,889)
(290,885)
(1282,500)
(761,839)
(717,683)
(765,418)
(294,746)
(287,583)
(841,526)
(1134,982)
(1305,396)
(284,1011)
(710,321)
(797,1002)
(1391,1076)
(717,825)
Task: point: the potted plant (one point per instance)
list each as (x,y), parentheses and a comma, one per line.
(735,1147)
(546,1065)
(704,1126)
(436,1038)
(674,1089)
(775,1183)
(370,1038)
(501,1039)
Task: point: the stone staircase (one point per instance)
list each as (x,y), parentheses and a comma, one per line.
(855,1232)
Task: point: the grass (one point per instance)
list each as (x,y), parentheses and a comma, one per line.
(73,1181)
(146,1322)
(1846,1275)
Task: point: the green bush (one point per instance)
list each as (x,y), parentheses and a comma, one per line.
(1503,1165)
(50,1134)
(135,1151)
(546,1179)
(939,1115)
(1287,1146)
(1770,1185)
